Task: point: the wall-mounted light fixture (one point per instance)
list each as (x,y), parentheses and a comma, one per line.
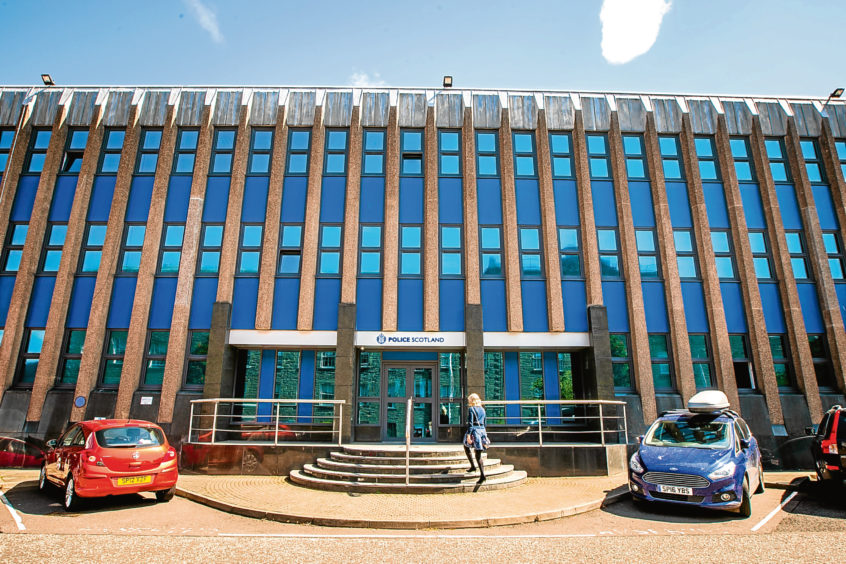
(47,80)
(447,81)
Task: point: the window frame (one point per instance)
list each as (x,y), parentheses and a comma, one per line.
(34,150)
(746,359)
(562,253)
(239,272)
(218,151)
(593,156)
(324,249)
(11,246)
(148,357)
(674,157)
(622,361)
(706,360)
(837,255)
(654,253)
(418,250)
(412,154)
(107,356)
(450,250)
(785,360)
(260,152)
(72,157)
(639,156)
(449,153)
(744,159)
(377,250)
(757,255)
(730,254)
(87,247)
(26,355)
(51,248)
(66,356)
(616,253)
(557,155)
(541,275)
(179,151)
(142,151)
(795,256)
(483,251)
(126,248)
(814,162)
(518,155)
(192,357)
(823,361)
(778,160)
(289,250)
(668,361)
(702,158)
(381,152)
(292,152)
(327,152)
(687,254)
(7,141)
(165,248)
(480,154)
(204,248)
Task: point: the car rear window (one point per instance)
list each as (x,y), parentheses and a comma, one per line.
(841,428)
(129,437)
(695,433)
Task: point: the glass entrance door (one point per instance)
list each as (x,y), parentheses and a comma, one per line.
(401,382)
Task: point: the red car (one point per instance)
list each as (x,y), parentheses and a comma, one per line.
(110,457)
(21,453)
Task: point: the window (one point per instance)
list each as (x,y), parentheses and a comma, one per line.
(609,253)
(374,152)
(778,163)
(411,152)
(211,240)
(32,342)
(635,158)
(531,264)
(335,158)
(369,386)
(261,147)
(370,255)
(495,386)
(796,248)
(524,153)
(662,369)
(647,254)
(171,253)
(742,163)
(113,358)
(813,166)
(324,386)
(186,151)
(410,247)
(723,255)
(223,149)
(71,357)
(781,361)
(834,250)
(112,146)
(670,157)
(839,145)
(74,150)
(685,255)
(491,255)
(822,361)
(706,156)
(450,250)
(743,373)
(290,249)
(700,353)
(760,254)
(92,250)
(299,143)
(531,384)
(487,159)
(198,350)
(133,243)
(449,153)
(148,151)
(38,150)
(7,137)
(14,246)
(621,361)
(286,383)
(597,148)
(570,254)
(249,253)
(154,359)
(330,250)
(56,233)
(561,153)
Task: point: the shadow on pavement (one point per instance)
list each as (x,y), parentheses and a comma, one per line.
(821,499)
(668,512)
(27,500)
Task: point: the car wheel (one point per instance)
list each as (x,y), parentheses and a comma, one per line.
(71,501)
(760,488)
(745,509)
(42,479)
(163,496)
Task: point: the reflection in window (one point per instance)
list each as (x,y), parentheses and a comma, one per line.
(670,157)
(286,383)
(706,155)
(324,386)
(74,150)
(374,152)
(299,143)
(154,360)
(113,358)
(335,159)
(621,360)
(662,369)
(56,233)
(411,152)
(451,251)
(598,159)
(92,249)
(148,151)
(290,249)
(223,149)
(211,241)
(261,147)
(173,235)
(635,157)
(410,246)
(524,153)
(778,162)
(491,247)
(494,387)
(370,253)
(561,153)
(330,250)
(742,162)
(449,153)
(198,351)
(186,151)
(700,353)
(487,160)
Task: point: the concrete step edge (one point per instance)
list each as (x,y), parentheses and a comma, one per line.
(355,477)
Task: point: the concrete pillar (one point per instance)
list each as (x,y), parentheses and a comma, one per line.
(345,366)
(220,363)
(473,290)
(311,228)
(351,213)
(598,379)
(391,246)
(510,243)
(590,248)
(474,353)
(431,229)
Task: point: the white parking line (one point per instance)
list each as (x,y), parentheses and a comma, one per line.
(404,536)
(15,516)
(773,512)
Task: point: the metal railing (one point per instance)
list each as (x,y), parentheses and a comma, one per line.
(234,420)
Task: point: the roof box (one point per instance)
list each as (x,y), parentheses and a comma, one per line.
(708,401)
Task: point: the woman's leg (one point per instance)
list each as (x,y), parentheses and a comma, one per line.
(469,457)
(481,467)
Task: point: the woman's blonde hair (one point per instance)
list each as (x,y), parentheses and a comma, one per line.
(474,400)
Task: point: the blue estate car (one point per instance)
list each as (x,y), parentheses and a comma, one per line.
(703,456)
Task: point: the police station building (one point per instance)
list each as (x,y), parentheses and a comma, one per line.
(162,245)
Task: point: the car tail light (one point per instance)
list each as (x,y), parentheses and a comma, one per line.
(832,448)
(171,453)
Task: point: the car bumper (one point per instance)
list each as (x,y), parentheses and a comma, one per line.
(708,497)
(97,484)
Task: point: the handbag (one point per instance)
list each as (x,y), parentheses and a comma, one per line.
(468,436)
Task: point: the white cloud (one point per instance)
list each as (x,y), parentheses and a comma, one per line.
(364,80)
(206,18)
(630,27)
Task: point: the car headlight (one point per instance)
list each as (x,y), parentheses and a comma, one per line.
(634,464)
(723,472)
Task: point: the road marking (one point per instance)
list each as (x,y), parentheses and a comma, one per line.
(773,512)
(15,516)
(404,536)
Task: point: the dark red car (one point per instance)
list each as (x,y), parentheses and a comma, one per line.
(828,445)
(110,457)
(21,453)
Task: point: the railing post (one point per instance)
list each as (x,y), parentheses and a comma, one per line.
(540,426)
(408,409)
(276,429)
(601,425)
(191,423)
(340,422)
(214,424)
(625,427)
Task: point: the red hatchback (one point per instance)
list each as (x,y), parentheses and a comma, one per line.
(110,457)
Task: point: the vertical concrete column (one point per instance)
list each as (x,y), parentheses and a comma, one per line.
(431,248)
(101,300)
(345,359)
(590,248)
(270,246)
(353,202)
(831,162)
(311,229)
(803,363)
(389,282)
(599,380)
(762,357)
(817,256)
(639,337)
(720,345)
(680,345)
(136,339)
(220,363)
(549,228)
(51,350)
(473,290)
(474,352)
(510,243)
(19,304)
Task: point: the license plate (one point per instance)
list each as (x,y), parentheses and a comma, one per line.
(675,490)
(134,480)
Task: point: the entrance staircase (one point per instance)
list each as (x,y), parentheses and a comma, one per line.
(381,469)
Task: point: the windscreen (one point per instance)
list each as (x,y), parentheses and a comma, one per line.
(129,437)
(695,433)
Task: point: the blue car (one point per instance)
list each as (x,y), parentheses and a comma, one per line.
(704,456)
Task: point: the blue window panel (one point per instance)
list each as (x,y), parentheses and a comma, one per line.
(161,306)
(39,304)
(512,386)
(551,390)
(771,302)
(100,203)
(566,202)
(451,296)
(7,284)
(733,306)
(217,198)
(494,316)
(178,196)
(788,206)
(614,298)
(123,296)
(528,201)
(575,305)
(286,300)
(655,306)
(306,390)
(750,195)
(202,302)
(24,198)
(715,205)
(604,204)
(810,308)
(327,294)
(535,317)
(63,198)
(140,195)
(294,199)
(825,207)
(368,300)
(841,297)
(411,200)
(372,207)
(410,300)
(640,195)
(451,201)
(694,307)
(267,381)
(679,204)
(409,355)
(254,204)
(489,195)
(332,199)
(80,306)
(244,303)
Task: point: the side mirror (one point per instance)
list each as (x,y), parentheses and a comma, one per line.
(809,431)
(639,439)
(744,443)
(51,443)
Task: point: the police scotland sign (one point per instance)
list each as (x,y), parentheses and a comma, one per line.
(409,339)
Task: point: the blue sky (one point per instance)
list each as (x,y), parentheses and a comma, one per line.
(768,47)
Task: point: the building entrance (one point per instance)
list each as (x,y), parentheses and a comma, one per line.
(401,381)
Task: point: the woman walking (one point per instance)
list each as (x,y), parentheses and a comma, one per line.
(476,436)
